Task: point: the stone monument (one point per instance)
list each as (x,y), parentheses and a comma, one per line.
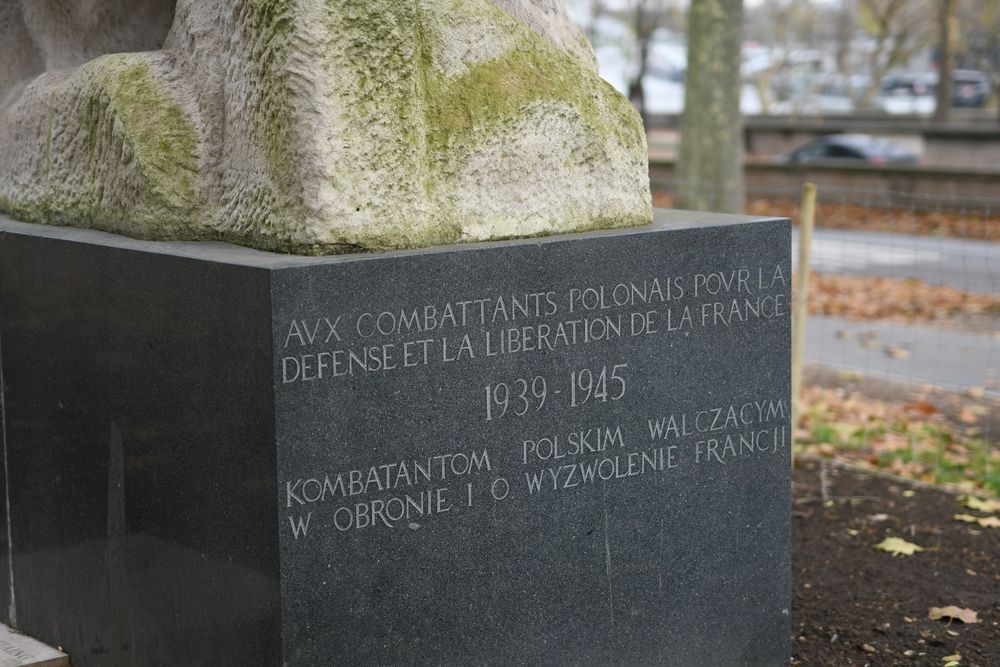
(566,448)
(315,127)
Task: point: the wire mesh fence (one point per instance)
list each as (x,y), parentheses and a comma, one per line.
(902,343)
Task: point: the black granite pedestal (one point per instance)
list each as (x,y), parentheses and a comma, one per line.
(563,450)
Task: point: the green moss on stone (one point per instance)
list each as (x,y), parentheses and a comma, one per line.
(393,50)
(158,130)
(135,156)
(271,25)
(499,90)
(24,211)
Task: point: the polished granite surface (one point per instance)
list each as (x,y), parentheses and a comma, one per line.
(555,450)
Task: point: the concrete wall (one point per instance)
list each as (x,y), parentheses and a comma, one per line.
(974,145)
(953,187)
(970,140)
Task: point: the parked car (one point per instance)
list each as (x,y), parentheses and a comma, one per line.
(851,149)
(907,94)
(908,85)
(917,93)
(969,88)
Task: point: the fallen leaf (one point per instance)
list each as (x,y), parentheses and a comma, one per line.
(988,505)
(889,442)
(909,493)
(967,416)
(983,521)
(922,407)
(896,352)
(898,547)
(953,613)
(959,459)
(953,658)
(852,532)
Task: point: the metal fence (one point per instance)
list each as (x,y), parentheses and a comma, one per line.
(902,339)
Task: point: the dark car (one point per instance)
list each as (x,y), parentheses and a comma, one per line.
(969,88)
(851,149)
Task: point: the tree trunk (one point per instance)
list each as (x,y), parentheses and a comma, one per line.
(710,165)
(845,36)
(636,88)
(946,58)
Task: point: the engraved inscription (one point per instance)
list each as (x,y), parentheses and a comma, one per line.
(576,423)
(344,345)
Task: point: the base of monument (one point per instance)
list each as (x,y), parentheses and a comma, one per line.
(565,449)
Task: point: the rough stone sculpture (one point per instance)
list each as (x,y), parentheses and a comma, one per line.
(313,126)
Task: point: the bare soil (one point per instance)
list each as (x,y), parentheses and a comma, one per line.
(855,605)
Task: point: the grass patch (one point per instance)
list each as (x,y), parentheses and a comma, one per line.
(914,439)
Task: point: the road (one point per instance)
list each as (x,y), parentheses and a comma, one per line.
(954,360)
(972,266)
(920,354)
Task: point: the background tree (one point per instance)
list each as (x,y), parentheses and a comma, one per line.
(845,22)
(979,29)
(710,163)
(947,35)
(783,28)
(644,18)
(899,29)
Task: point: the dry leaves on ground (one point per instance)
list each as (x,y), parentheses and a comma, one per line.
(893,299)
(911,439)
(875,218)
(980,226)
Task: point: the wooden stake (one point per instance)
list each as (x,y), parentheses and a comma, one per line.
(799,314)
